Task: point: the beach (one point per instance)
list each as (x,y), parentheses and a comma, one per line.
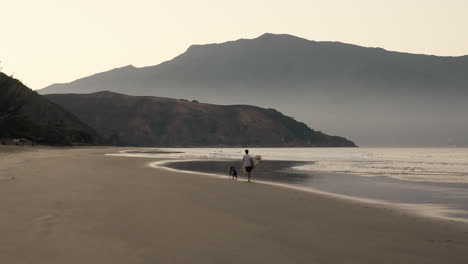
(78,205)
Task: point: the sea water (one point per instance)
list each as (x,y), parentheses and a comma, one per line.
(434,179)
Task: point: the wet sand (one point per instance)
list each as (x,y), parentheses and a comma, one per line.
(76,205)
(444,200)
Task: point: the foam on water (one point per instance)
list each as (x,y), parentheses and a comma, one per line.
(443,165)
(418,167)
(426,210)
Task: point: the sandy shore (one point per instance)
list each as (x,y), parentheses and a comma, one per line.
(61,205)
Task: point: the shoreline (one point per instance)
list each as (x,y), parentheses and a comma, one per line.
(419,210)
(79,205)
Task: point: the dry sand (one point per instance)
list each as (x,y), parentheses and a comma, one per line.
(76,205)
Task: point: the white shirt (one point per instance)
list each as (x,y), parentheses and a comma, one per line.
(247,159)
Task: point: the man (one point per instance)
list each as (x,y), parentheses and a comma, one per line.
(248,163)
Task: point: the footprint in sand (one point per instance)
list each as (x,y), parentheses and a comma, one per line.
(44,224)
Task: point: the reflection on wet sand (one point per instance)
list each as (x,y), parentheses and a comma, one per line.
(452,196)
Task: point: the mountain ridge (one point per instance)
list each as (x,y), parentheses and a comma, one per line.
(264,36)
(369,94)
(157,121)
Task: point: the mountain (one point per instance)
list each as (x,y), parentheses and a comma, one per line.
(28,115)
(155,121)
(375,96)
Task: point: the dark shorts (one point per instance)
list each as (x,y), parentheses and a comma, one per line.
(249,169)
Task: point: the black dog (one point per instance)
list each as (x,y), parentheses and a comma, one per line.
(233,173)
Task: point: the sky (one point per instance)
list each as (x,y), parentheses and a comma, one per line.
(55,41)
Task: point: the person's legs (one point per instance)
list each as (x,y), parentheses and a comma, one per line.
(248,171)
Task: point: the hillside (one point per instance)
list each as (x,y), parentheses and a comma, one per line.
(375,96)
(154,121)
(28,115)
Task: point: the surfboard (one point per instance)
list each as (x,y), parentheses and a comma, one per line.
(256,160)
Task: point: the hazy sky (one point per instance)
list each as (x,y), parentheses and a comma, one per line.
(49,41)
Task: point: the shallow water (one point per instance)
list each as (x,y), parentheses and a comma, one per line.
(410,164)
(410,176)
(452,196)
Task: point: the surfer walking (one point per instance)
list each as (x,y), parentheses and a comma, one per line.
(248,164)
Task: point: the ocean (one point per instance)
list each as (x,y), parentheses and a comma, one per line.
(430,181)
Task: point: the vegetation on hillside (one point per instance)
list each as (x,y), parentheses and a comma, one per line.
(154,121)
(28,115)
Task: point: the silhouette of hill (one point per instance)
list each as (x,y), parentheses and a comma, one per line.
(27,115)
(375,96)
(155,121)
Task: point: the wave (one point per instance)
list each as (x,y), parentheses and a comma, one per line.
(440,165)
